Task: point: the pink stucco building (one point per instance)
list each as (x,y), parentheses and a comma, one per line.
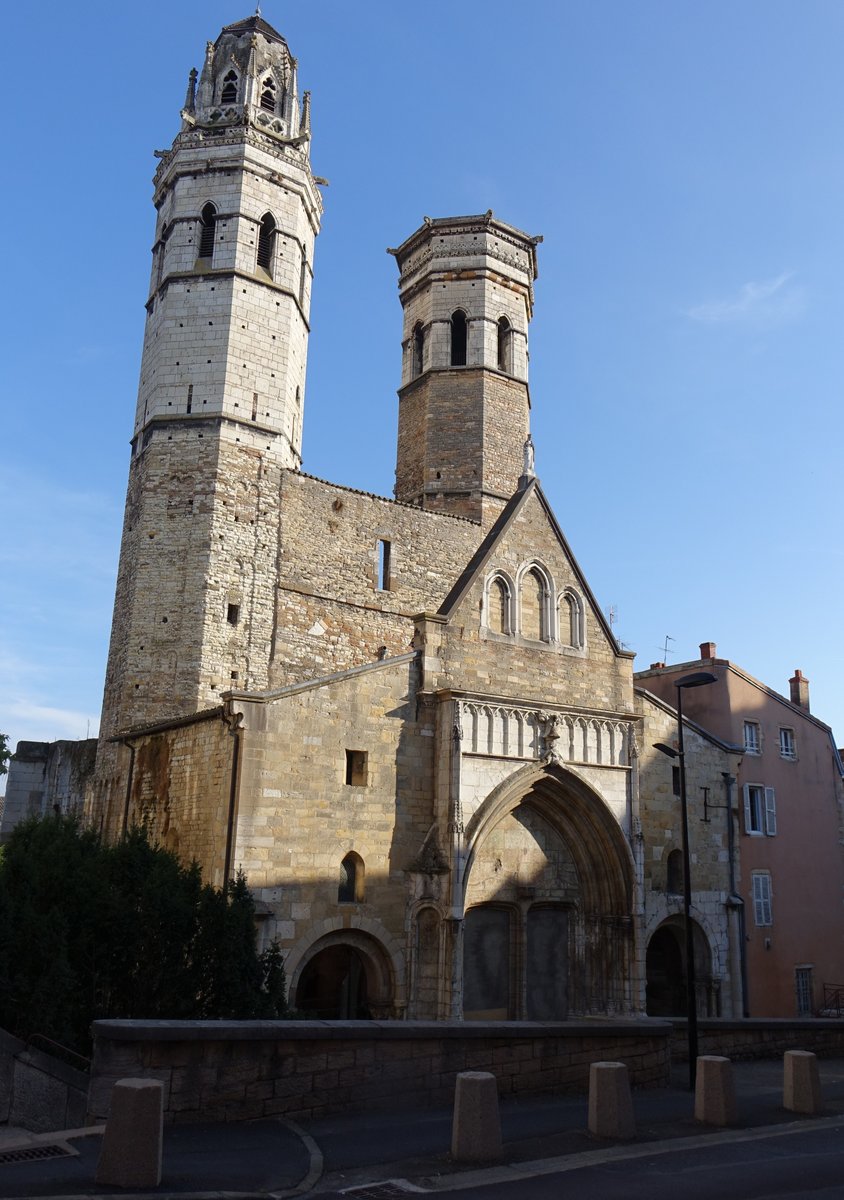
(789,827)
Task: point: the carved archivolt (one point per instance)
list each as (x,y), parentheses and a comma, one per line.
(509,732)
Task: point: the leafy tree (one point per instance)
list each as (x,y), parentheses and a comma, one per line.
(5,753)
(91,930)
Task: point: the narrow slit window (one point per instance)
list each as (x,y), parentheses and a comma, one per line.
(302,270)
(418,350)
(350,889)
(383,584)
(229,92)
(266,243)
(208,225)
(190,396)
(505,346)
(233,614)
(458,338)
(356,768)
(254,406)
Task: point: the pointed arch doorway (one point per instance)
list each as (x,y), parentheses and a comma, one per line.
(548,886)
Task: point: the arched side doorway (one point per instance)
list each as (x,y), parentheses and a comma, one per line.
(548,886)
(665,965)
(346,976)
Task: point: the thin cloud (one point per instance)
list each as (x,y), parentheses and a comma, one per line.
(34,722)
(765,304)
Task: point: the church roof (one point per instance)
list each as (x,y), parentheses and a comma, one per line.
(254,24)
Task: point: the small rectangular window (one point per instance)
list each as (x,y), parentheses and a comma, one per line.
(762,912)
(675,780)
(356,768)
(383,583)
(788,746)
(190,396)
(804,987)
(754,808)
(233,614)
(752,738)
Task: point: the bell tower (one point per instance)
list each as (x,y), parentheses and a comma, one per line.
(219,410)
(466,287)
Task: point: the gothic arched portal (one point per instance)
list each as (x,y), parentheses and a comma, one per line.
(548,887)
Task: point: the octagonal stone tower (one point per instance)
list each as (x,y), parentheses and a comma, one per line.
(466,287)
(219,410)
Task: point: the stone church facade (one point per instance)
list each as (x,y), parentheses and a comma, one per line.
(406,720)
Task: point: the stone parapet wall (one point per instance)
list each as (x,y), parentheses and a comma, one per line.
(241,1070)
(757,1038)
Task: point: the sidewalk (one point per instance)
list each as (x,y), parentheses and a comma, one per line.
(331,1155)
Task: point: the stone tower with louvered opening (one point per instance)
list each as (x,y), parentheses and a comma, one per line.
(219,412)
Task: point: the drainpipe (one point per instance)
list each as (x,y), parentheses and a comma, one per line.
(129,780)
(734,901)
(233,720)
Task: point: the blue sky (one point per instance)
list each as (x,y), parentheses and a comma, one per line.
(685,164)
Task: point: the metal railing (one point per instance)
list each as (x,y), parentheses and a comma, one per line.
(833,1000)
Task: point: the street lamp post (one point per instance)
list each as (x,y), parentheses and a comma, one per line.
(697,679)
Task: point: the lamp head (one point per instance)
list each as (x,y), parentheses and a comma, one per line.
(696,679)
(664,748)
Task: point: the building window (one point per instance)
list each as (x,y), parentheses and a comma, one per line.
(418,351)
(350,890)
(266,242)
(207,226)
(356,764)
(752,738)
(233,614)
(534,604)
(762,913)
(760,809)
(804,987)
(498,607)
(571,620)
(383,581)
(788,746)
(505,346)
(268,94)
(674,873)
(229,92)
(458,338)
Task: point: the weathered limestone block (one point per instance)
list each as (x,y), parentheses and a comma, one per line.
(476,1128)
(610,1103)
(132,1143)
(801,1084)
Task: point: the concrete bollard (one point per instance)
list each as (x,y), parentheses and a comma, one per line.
(610,1103)
(476,1127)
(715,1093)
(801,1082)
(131,1149)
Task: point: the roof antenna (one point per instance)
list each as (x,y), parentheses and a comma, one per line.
(258,9)
(664,648)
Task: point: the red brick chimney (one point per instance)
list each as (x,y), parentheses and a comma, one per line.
(799,690)
(656,666)
(708,650)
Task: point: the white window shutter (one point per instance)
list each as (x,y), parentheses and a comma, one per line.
(758,913)
(770,811)
(748,824)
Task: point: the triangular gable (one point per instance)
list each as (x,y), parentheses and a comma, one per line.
(479,560)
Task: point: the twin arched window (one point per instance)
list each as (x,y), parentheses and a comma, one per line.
(527,608)
(229,92)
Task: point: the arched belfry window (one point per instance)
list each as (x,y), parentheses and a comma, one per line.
(418,350)
(229,92)
(268,94)
(207,226)
(351,887)
(266,242)
(459,337)
(505,346)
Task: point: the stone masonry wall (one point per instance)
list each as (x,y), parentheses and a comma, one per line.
(217,1071)
(298,817)
(330,613)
